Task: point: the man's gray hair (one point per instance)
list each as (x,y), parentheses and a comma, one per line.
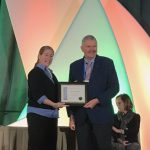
(88,37)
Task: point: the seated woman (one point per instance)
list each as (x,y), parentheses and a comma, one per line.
(126,125)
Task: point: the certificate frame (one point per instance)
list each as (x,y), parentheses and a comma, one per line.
(73,93)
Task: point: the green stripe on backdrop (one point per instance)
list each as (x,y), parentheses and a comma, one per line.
(13,82)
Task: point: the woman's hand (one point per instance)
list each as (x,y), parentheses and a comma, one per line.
(125,143)
(121,131)
(58,105)
(55,105)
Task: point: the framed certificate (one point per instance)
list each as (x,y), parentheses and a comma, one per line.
(73,93)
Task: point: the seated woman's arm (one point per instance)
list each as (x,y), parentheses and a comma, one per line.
(121,131)
(133,126)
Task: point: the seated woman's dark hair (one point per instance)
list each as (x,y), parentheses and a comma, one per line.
(126,100)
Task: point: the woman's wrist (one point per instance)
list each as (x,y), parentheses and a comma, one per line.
(50,103)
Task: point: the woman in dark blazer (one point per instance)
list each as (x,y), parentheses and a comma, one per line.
(42,112)
(126,125)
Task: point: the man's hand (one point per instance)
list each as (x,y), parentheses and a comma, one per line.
(92,103)
(72,123)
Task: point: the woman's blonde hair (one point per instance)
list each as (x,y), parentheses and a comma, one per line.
(41,51)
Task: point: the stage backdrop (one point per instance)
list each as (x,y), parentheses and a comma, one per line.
(27,25)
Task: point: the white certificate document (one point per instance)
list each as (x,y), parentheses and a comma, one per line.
(73,93)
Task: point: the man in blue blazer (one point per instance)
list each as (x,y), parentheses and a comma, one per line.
(93,121)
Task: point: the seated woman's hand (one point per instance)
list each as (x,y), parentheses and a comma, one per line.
(121,131)
(125,143)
